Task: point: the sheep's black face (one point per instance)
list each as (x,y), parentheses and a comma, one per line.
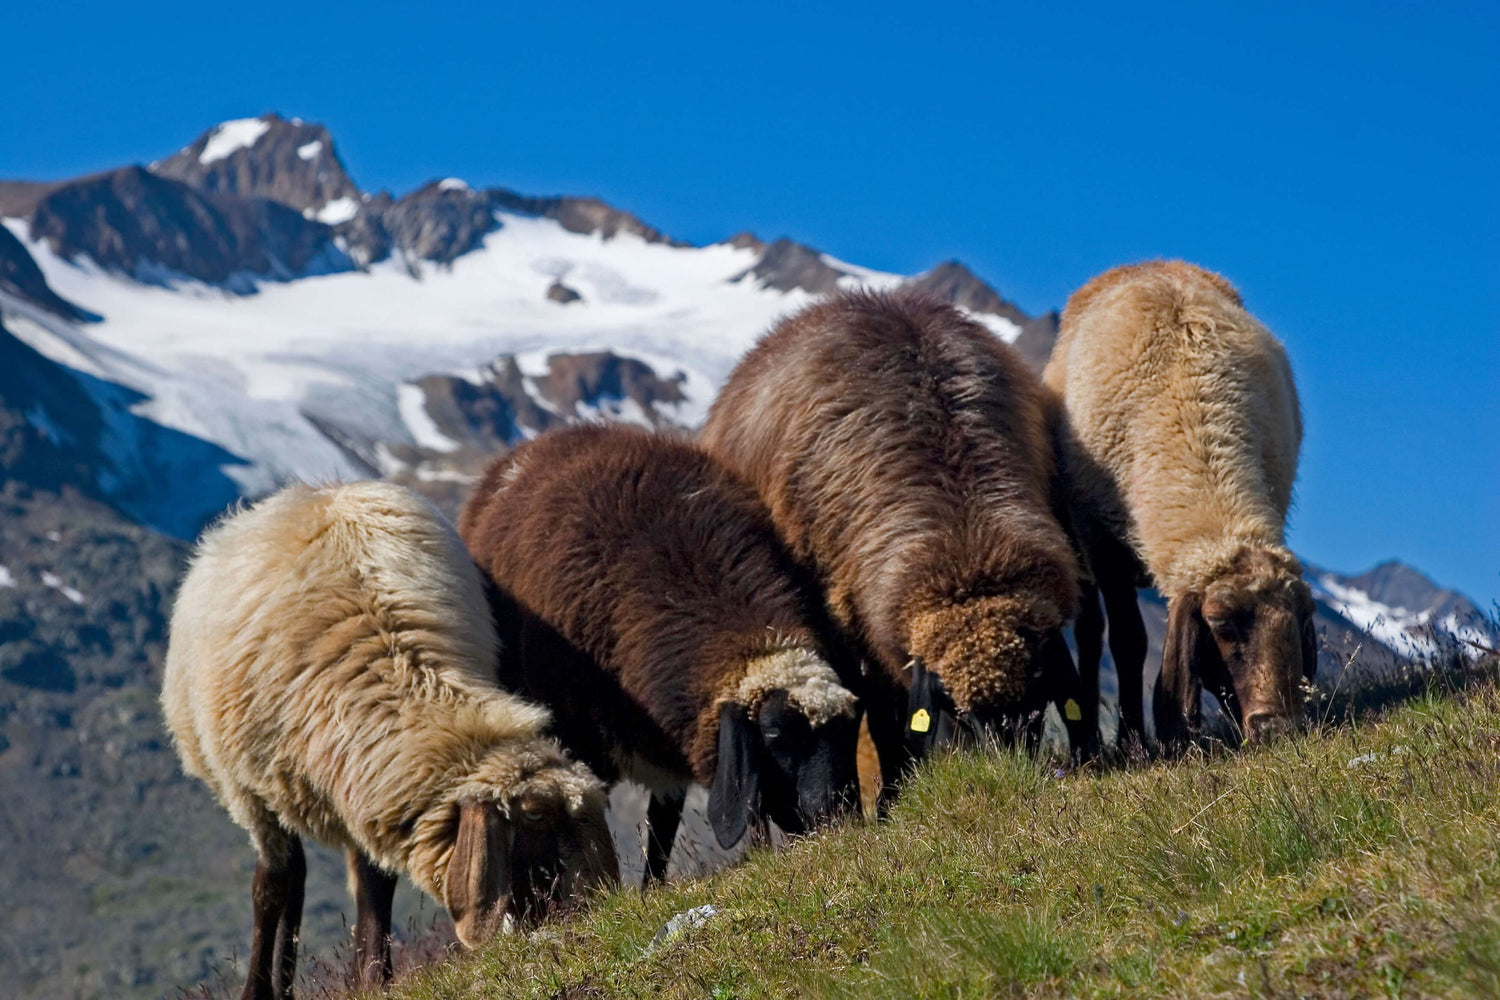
(781,767)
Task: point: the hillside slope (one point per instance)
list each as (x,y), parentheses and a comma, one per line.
(1358,862)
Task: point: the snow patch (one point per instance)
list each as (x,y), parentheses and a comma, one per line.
(232,136)
(337,211)
(55,582)
(1391,627)
(411,401)
(998,325)
(310,150)
(453,184)
(6,580)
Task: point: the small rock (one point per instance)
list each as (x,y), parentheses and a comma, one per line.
(680,924)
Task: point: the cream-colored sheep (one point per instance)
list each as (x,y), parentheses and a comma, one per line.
(1180,436)
(329,675)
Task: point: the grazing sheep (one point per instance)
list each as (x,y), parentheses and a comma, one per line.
(904,453)
(664,624)
(1179,444)
(330,675)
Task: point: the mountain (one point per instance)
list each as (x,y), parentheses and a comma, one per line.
(177,337)
(286,161)
(159,230)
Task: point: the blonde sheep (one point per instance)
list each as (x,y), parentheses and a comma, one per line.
(1180,434)
(329,676)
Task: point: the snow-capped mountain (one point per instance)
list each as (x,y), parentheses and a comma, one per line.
(213,286)
(241,313)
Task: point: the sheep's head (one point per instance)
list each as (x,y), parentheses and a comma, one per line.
(543,842)
(787,734)
(1248,636)
(978,665)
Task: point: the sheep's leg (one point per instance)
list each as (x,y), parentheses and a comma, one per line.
(663,815)
(284,956)
(269,894)
(1127,645)
(885,717)
(1088,636)
(373,891)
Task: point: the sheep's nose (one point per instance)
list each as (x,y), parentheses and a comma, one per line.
(1262,726)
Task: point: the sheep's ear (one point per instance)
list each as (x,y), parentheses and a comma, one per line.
(735,796)
(477,885)
(1180,686)
(1072,697)
(931,720)
(1305,613)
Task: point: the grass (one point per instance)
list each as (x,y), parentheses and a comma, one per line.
(1359,861)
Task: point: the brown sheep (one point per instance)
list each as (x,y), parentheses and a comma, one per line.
(1180,438)
(904,453)
(329,675)
(665,625)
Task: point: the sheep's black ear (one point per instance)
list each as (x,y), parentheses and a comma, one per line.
(735,797)
(1177,700)
(1305,613)
(930,717)
(1075,701)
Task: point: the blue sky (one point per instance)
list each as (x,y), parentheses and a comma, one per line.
(1339,162)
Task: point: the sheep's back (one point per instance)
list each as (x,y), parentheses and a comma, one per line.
(1182,418)
(901,447)
(329,661)
(642,552)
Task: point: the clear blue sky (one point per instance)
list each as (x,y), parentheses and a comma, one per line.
(1339,162)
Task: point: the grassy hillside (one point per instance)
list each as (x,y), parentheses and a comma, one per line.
(1360,861)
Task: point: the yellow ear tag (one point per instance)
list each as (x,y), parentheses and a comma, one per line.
(921,721)
(1071,711)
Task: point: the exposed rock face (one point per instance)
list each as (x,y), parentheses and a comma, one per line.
(1038,336)
(20,276)
(49,426)
(19,198)
(510,406)
(952,282)
(579,215)
(134,221)
(785,265)
(290,162)
(439,222)
(562,294)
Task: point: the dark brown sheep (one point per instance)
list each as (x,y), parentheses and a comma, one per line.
(905,456)
(663,622)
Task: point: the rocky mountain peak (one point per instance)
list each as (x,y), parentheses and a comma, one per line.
(1398,585)
(284,160)
(786,264)
(953,282)
(155,228)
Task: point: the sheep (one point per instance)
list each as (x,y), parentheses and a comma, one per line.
(329,675)
(903,452)
(664,624)
(1179,444)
